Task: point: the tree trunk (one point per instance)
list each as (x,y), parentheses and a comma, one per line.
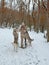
(48,21)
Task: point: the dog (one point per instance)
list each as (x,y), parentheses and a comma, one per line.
(28,37)
(15,43)
(25,36)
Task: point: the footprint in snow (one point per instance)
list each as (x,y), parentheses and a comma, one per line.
(45,59)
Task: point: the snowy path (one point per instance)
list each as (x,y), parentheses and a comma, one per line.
(38,54)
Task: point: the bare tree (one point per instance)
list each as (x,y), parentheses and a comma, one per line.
(48,21)
(2,10)
(11,3)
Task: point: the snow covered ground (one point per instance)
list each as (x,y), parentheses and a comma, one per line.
(37,54)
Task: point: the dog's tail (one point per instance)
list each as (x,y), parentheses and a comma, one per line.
(32,39)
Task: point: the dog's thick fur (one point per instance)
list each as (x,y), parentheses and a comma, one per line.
(15,46)
(15,43)
(26,37)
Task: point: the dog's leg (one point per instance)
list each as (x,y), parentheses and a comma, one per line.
(14,48)
(29,42)
(21,41)
(29,39)
(25,43)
